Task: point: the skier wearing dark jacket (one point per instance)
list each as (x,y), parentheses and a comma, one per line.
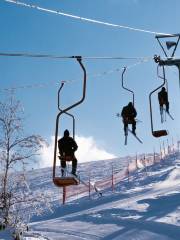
(67,146)
(163,99)
(128,114)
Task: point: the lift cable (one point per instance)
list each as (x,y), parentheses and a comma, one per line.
(35,55)
(57,12)
(53,83)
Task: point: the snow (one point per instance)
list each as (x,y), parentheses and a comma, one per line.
(146,207)
(6,234)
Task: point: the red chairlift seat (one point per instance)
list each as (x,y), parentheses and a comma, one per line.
(159,133)
(66,158)
(65,181)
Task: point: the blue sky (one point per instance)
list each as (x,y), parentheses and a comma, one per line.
(33,31)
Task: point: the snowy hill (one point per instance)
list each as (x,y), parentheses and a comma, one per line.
(145,206)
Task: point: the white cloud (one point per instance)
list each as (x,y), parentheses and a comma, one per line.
(88,150)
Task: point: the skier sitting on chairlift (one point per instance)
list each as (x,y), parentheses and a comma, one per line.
(128,114)
(163,100)
(67,146)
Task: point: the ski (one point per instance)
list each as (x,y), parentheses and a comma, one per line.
(135,136)
(170,115)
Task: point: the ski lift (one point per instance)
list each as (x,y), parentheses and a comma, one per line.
(66,181)
(129,90)
(170,59)
(157,133)
(163,111)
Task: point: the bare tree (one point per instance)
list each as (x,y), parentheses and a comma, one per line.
(16,150)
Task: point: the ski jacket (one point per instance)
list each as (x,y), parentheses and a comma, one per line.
(67,146)
(128,112)
(163,97)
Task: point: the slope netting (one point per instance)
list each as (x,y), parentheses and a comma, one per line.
(113,174)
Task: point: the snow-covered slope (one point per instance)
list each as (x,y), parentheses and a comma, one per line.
(41,179)
(147,207)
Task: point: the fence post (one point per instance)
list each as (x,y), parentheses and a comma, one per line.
(112,178)
(173,145)
(89,186)
(128,171)
(136,162)
(168,147)
(154,156)
(164,149)
(178,145)
(160,152)
(145,164)
(64,195)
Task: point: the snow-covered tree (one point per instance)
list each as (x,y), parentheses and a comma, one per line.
(16,151)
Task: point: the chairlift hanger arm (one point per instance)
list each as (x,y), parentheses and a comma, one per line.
(162,77)
(62,85)
(129,90)
(78,58)
(72,116)
(164,80)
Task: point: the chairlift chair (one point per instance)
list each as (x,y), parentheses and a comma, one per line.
(132,92)
(157,133)
(66,181)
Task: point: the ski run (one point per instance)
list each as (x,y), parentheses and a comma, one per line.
(144,206)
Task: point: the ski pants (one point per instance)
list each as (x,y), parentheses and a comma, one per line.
(126,123)
(166,105)
(74,164)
